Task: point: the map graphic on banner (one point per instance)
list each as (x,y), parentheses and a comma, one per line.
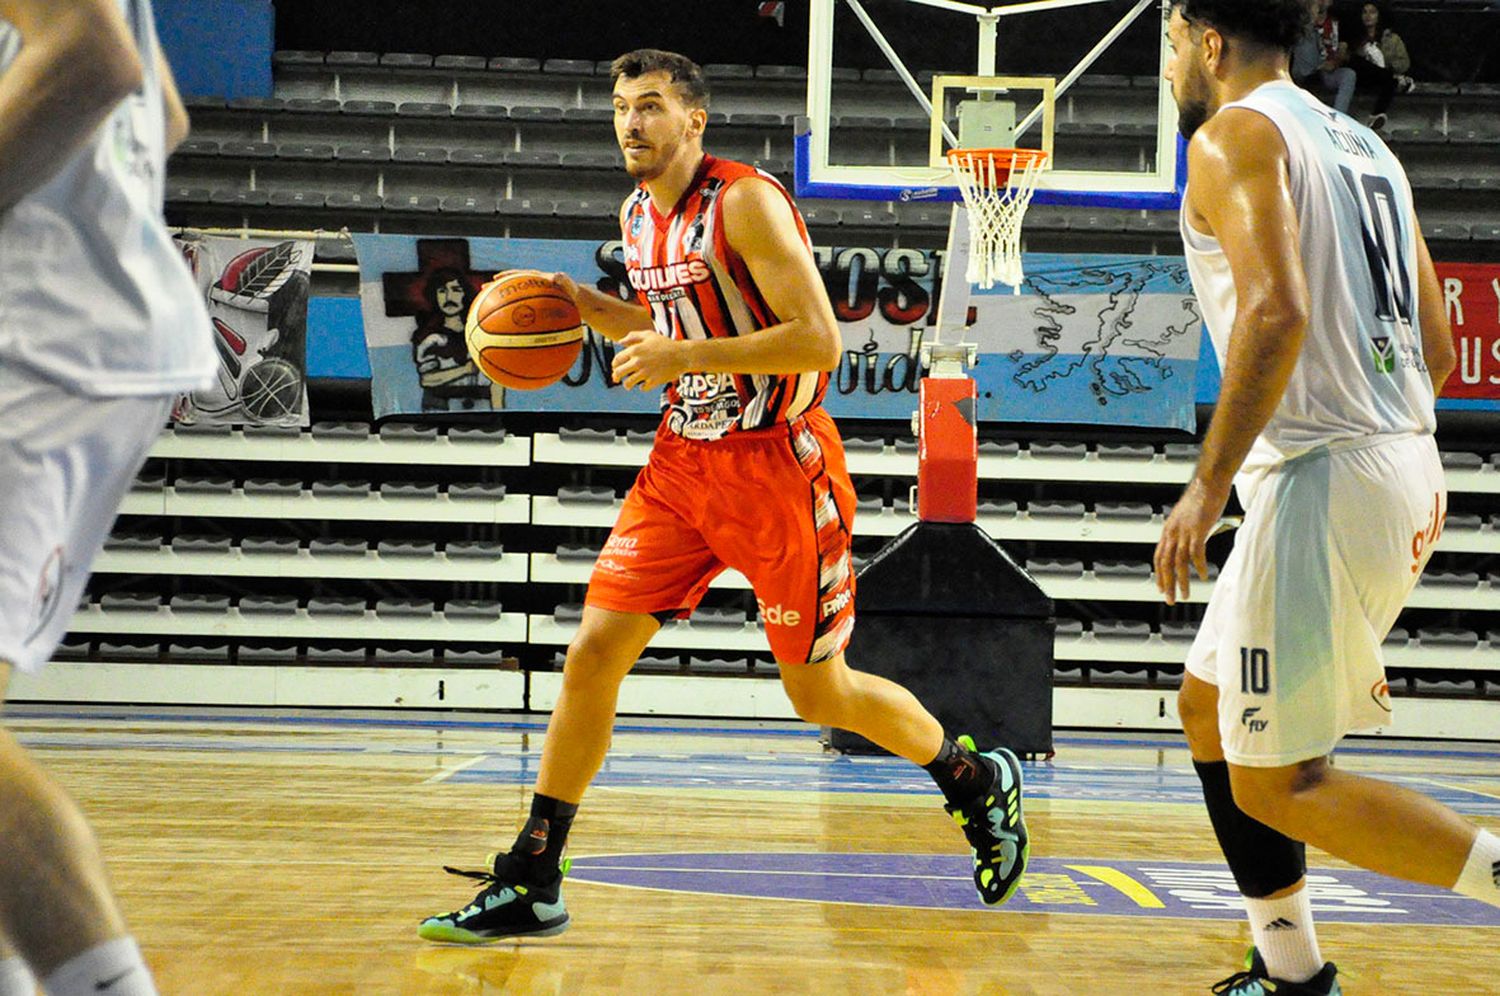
(1091,339)
(256,293)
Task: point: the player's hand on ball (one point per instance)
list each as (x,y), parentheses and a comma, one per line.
(648,359)
(1184,538)
(566,284)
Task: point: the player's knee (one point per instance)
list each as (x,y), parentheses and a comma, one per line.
(816,700)
(1276,796)
(590,663)
(1198,713)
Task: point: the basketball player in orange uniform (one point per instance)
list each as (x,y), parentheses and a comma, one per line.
(747,472)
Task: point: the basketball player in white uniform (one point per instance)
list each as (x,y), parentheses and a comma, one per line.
(101,327)
(1329,324)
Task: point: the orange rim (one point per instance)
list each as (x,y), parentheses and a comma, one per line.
(1005,161)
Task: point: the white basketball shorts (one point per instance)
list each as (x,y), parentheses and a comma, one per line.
(66,463)
(1332,543)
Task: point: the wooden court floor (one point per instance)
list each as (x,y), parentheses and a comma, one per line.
(296,853)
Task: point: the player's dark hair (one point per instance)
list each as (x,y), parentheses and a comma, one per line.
(1273,23)
(684,72)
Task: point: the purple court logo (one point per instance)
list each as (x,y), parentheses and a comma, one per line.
(1171,889)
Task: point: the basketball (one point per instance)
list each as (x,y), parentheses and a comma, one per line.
(523,331)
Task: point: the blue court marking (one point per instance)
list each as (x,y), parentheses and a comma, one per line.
(888,775)
(1088,886)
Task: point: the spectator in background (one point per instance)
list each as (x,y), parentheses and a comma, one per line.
(1320,61)
(1380,62)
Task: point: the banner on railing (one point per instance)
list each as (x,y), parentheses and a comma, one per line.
(256,292)
(1092,339)
(1471,293)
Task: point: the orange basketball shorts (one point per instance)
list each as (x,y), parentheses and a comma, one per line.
(775,504)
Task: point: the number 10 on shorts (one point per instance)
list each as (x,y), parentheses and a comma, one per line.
(1255,670)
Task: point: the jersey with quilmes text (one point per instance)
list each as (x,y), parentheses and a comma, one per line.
(1361,372)
(697,287)
(94,295)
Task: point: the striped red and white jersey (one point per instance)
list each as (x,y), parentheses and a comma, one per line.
(697,287)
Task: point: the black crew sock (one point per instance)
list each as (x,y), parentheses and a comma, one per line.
(539,846)
(961,774)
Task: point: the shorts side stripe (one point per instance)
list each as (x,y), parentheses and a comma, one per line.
(1302,664)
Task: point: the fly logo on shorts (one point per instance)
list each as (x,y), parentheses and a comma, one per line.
(775,615)
(1423,539)
(1247,719)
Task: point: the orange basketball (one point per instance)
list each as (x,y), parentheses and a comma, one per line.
(523,331)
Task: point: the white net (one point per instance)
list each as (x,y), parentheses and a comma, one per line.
(997,185)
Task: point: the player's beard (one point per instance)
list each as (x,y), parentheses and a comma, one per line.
(656,165)
(1192,102)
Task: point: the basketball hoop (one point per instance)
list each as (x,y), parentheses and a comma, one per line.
(997,185)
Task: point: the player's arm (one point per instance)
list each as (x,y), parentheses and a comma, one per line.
(760,226)
(1432,312)
(176,115)
(1241,189)
(605,313)
(77,61)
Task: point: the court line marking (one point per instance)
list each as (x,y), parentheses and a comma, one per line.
(447,773)
(1455,788)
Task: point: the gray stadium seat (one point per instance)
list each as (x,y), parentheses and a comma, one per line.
(1055,567)
(204,485)
(312,105)
(419,203)
(340,489)
(872,504)
(265,654)
(1451,579)
(993,508)
(152,483)
(472,608)
(820,215)
(132,651)
(1126,451)
(342,200)
(351,59)
(1179,452)
(336,655)
(467,204)
(1055,509)
(313,151)
(1447,636)
(756,119)
(709,616)
(1122,569)
(1178,630)
(473,549)
(298,198)
(424,109)
(864,122)
(1125,675)
(864,217)
(200,653)
(1448,231)
(1455,460)
(510,64)
(999,448)
(569,67)
(248,150)
(142,542)
(475,157)
(530,112)
(379,108)
(567,614)
(335,607)
(71,650)
(864,444)
(577,553)
(126,601)
(269,546)
(406,548)
(1443,686)
(409,489)
(1068,629)
(1121,629)
(1130,510)
(465,63)
(586,496)
(1072,451)
(1397,637)
(727,71)
(476,491)
(263,104)
(197,147)
(362,153)
(338,547)
(268,605)
(530,157)
(473,656)
(180,194)
(403,657)
(194,543)
(657,665)
(524,207)
(406,60)
(585,435)
(241,198)
(487,111)
(586,209)
(781,72)
(1485,233)
(717,665)
(404,608)
(296,57)
(476,434)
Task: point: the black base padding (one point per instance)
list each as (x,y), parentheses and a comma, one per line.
(943,611)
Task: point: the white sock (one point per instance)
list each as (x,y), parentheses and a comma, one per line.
(113,968)
(16,979)
(1285,936)
(1480,878)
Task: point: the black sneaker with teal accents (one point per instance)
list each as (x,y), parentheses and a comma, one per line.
(1256,981)
(994,825)
(510,905)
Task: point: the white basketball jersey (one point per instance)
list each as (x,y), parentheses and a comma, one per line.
(93,293)
(1361,371)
